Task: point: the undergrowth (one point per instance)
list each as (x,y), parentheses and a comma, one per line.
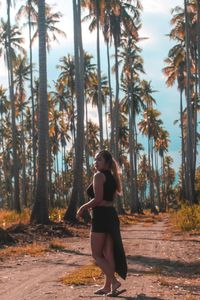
(187,218)
(11,217)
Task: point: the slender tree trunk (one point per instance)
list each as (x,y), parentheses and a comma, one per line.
(99,78)
(116,108)
(183,168)
(40,208)
(77,196)
(86,144)
(198,45)
(32,103)
(24,192)
(189,138)
(110,101)
(14,129)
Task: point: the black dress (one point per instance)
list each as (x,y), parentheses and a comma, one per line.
(105,220)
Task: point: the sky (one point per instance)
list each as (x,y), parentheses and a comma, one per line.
(155,17)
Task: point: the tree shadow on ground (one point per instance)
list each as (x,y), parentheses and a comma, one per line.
(137,297)
(166,266)
(140,297)
(70,251)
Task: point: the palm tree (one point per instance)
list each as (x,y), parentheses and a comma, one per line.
(119,21)
(96,10)
(21,74)
(161,146)
(149,126)
(40,208)
(11,38)
(132,104)
(185,33)
(29,10)
(77,196)
(189,139)
(51,19)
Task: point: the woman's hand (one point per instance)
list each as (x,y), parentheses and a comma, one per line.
(80,212)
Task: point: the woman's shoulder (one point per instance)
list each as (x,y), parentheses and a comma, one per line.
(99,176)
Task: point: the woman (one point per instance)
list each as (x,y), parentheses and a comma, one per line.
(106,243)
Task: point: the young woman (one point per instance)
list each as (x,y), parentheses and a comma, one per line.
(106,242)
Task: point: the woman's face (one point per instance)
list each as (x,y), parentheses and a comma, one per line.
(100,163)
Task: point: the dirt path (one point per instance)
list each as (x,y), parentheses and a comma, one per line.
(162,266)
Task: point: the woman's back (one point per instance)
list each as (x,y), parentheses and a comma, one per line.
(109,187)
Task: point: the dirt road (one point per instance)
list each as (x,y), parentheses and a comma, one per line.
(162,266)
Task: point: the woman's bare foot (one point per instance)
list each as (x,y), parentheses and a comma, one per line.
(102,291)
(115,285)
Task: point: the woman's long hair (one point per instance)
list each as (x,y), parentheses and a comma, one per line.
(114,167)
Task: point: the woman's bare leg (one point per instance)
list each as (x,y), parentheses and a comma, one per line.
(98,242)
(108,252)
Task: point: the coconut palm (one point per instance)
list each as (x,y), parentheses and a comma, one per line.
(29,10)
(149,126)
(11,39)
(51,19)
(21,75)
(40,209)
(77,196)
(161,147)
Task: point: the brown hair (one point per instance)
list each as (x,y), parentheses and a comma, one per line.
(114,167)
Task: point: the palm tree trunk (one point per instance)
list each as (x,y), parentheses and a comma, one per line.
(116,108)
(24,192)
(110,101)
(77,196)
(40,208)
(189,138)
(198,44)
(14,129)
(183,168)
(32,103)
(99,78)
(86,143)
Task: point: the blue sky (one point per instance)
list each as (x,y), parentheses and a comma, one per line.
(156,24)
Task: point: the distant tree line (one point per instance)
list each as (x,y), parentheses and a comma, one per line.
(47,137)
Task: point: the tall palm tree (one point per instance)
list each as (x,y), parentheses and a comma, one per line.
(185,33)
(51,19)
(77,196)
(120,20)
(96,10)
(29,11)
(132,103)
(21,74)
(9,39)
(149,126)
(189,139)
(161,146)
(40,209)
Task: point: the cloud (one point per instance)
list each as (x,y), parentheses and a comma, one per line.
(160,6)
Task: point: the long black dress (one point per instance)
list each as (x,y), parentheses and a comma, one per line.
(105,219)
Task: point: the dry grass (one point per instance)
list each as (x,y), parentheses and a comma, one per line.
(57,244)
(147,217)
(187,218)
(128,219)
(190,297)
(84,275)
(11,217)
(33,249)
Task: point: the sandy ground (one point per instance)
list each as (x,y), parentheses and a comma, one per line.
(163,265)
